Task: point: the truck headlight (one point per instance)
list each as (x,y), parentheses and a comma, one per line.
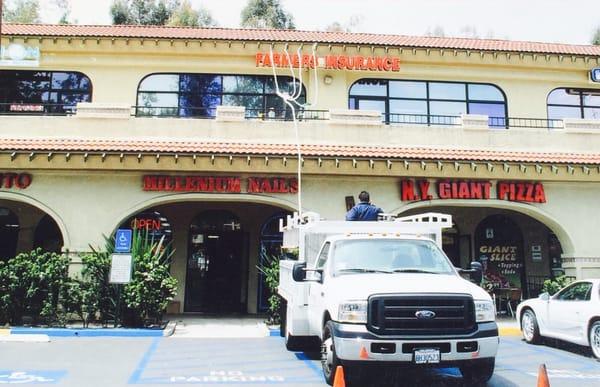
(353,312)
(484,311)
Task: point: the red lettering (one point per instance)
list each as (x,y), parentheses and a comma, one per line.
(331,62)
(234,185)
(190,184)
(529,194)
(424,190)
(259,58)
(444,190)
(463,190)
(371,65)
(178,184)
(150,183)
(487,187)
(387,64)
(476,190)
(342,62)
(520,187)
(265,186)
(23,180)
(293,185)
(540,195)
(253,185)
(9,179)
(306,60)
(379,63)
(395,64)
(407,191)
(503,191)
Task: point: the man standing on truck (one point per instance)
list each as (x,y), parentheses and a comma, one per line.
(364,210)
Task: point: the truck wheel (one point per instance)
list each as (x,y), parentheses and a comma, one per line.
(479,372)
(329,359)
(595,339)
(529,327)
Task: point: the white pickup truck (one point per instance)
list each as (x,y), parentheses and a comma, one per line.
(383,293)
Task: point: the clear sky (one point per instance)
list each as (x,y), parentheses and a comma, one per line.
(565,21)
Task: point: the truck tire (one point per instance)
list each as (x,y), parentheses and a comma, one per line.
(329,359)
(478,372)
(530,328)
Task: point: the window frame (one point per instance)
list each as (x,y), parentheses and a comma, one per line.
(568,288)
(428,98)
(264,95)
(324,253)
(581,107)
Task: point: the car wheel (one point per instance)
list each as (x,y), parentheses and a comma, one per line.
(479,371)
(329,359)
(529,327)
(594,337)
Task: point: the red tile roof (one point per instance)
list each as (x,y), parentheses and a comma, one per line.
(162,32)
(308,150)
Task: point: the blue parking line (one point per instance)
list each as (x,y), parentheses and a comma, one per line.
(549,351)
(302,356)
(135,376)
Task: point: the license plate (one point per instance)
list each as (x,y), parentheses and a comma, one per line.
(427,356)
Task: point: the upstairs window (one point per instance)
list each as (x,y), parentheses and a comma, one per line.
(427,102)
(574,103)
(42,92)
(198,95)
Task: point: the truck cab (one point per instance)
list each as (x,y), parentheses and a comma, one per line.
(384,293)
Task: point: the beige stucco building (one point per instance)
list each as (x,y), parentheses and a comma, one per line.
(181,131)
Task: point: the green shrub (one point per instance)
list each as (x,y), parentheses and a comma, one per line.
(31,285)
(552,286)
(270,270)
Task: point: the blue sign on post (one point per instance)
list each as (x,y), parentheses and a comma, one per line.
(123,241)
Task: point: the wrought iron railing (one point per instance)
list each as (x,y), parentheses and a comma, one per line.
(286,115)
(420,119)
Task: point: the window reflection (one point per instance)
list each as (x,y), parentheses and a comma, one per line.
(424,102)
(26,91)
(573,103)
(198,95)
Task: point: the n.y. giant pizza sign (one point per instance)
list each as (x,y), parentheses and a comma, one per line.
(527,192)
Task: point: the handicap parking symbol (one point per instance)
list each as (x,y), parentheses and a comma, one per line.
(123,241)
(30,377)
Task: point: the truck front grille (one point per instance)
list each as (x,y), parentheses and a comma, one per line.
(397,314)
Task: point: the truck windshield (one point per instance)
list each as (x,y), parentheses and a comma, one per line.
(389,256)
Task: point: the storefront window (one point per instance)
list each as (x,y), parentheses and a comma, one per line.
(425,102)
(47,235)
(574,103)
(42,92)
(198,95)
(9,233)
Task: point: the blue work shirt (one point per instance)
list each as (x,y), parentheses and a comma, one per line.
(363,211)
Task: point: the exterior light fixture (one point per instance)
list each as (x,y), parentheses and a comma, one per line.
(328,79)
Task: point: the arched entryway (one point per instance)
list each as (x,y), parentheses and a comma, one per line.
(9,233)
(499,231)
(215,261)
(270,248)
(24,227)
(499,247)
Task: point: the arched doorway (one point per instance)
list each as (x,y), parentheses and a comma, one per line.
(215,264)
(270,247)
(499,247)
(9,233)
(451,244)
(47,236)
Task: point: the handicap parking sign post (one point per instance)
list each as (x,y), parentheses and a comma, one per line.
(123,241)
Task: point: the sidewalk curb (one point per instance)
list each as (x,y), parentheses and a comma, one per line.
(88,332)
(32,338)
(509,331)
(170,329)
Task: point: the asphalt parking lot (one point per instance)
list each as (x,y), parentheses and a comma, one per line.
(257,361)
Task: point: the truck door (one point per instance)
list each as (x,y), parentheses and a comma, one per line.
(316,292)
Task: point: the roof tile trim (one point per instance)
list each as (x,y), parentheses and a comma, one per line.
(314,150)
(232,34)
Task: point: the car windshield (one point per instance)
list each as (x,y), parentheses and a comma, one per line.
(389,256)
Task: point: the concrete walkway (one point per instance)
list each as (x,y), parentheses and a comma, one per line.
(200,326)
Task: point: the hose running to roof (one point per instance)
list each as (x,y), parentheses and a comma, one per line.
(292,101)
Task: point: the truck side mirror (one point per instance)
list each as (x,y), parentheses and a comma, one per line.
(476,272)
(299,272)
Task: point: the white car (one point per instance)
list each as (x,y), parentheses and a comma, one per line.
(572,314)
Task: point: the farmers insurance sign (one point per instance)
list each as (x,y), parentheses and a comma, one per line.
(416,190)
(329,62)
(219,184)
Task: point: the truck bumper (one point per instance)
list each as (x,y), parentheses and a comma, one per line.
(355,343)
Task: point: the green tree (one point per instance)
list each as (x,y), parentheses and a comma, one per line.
(21,11)
(185,15)
(266,14)
(65,8)
(596,38)
(144,12)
